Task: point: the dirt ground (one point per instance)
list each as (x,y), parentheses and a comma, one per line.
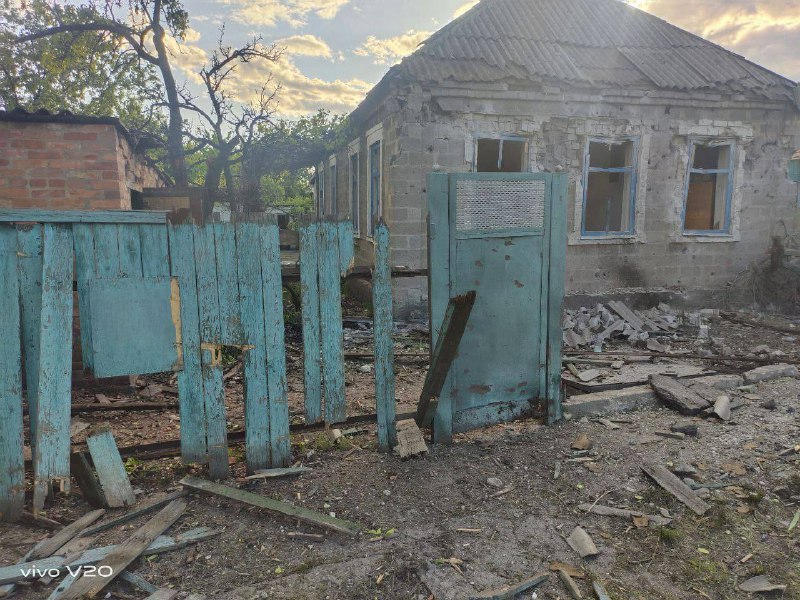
(437,527)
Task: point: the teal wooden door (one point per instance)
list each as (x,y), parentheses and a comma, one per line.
(504,236)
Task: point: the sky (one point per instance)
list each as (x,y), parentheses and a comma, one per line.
(336,50)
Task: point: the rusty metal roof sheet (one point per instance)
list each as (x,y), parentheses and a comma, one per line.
(593,42)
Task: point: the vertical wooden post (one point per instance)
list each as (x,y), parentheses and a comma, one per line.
(383,323)
(275,346)
(29,240)
(51,458)
(555,300)
(346,246)
(190,381)
(12,464)
(106,247)
(330,310)
(256,393)
(155,250)
(130,250)
(83,240)
(227,284)
(309,292)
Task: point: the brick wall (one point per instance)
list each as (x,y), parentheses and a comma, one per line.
(68,166)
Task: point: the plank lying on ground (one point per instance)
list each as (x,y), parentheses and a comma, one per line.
(452,330)
(510,591)
(570,584)
(51,545)
(280,472)
(138,581)
(610,511)
(676,487)
(134,514)
(27,571)
(128,551)
(70,551)
(162,595)
(284,508)
(122,406)
(677,396)
(600,591)
(28,518)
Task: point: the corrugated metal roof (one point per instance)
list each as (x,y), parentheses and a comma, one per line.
(594,42)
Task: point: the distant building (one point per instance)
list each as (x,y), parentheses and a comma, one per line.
(65,161)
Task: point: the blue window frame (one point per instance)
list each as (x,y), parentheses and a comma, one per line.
(709,188)
(333,200)
(375,209)
(609,187)
(354,200)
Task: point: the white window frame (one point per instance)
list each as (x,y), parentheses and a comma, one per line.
(374,135)
(729,170)
(354,149)
(333,187)
(321,189)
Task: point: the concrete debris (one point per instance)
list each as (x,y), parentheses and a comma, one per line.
(768,372)
(582,543)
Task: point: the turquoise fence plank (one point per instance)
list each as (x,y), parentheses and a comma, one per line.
(82,216)
(51,458)
(439,269)
(130,251)
(207,294)
(346,246)
(190,381)
(110,468)
(330,310)
(106,251)
(155,250)
(228,284)
(29,240)
(558,254)
(309,293)
(12,462)
(256,392)
(276,350)
(83,239)
(382,333)
(216,425)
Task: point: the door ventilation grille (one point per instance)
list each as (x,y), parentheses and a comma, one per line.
(483,205)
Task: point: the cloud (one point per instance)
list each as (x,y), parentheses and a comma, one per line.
(390,50)
(293,12)
(305,45)
(765,31)
(186,55)
(464,8)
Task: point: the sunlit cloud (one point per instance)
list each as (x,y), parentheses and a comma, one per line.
(292,12)
(388,51)
(305,45)
(464,8)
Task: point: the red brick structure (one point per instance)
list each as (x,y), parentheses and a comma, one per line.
(65,161)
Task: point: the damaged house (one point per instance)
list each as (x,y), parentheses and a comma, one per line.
(675,148)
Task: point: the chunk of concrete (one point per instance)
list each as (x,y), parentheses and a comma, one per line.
(769,372)
(612,402)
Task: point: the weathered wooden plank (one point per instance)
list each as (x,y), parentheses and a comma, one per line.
(134,514)
(110,469)
(676,487)
(275,346)
(128,551)
(138,581)
(29,240)
(452,330)
(155,250)
(207,290)
(87,480)
(106,251)
(309,291)
(256,392)
(27,571)
(511,591)
(51,545)
(600,590)
(130,251)
(83,240)
(330,309)
(51,456)
(190,382)
(214,401)
(555,294)
(9,215)
(63,586)
(346,246)
(284,508)
(383,323)
(279,472)
(227,284)
(12,462)
(677,396)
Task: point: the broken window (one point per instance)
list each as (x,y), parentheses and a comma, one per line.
(708,193)
(609,195)
(505,155)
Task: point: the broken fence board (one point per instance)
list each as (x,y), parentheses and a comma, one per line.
(309,293)
(676,487)
(27,571)
(52,448)
(280,446)
(128,551)
(346,246)
(556,241)
(284,508)
(251,305)
(110,469)
(280,472)
(133,514)
(12,461)
(452,330)
(63,586)
(228,284)
(138,581)
(83,240)
(511,591)
(87,480)
(214,400)
(383,323)
(677,396)
(51,545)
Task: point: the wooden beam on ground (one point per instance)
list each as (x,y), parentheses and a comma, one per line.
(676,487)
(128,551)
(134,514)
(279,472)
(284,508)
(50,546)
(511,591)
(454,324)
